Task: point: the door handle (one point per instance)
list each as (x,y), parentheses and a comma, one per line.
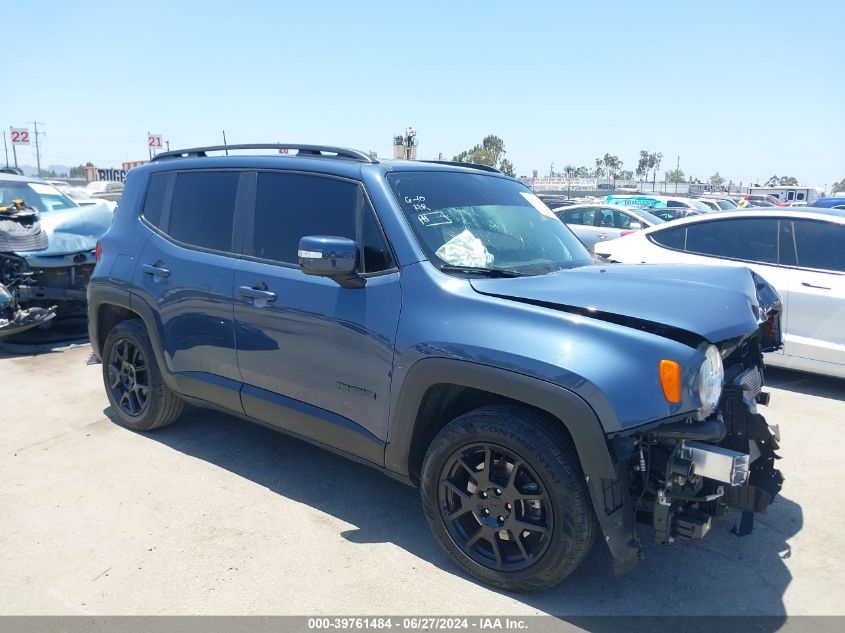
(151,269)
(258,295)
(809,285)
(601,236)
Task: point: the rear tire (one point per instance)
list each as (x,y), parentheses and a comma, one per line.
(139,398)
(504,495)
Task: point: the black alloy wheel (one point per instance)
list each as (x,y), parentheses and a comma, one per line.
(128,377)
(495,507)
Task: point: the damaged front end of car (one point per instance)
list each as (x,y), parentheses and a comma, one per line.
(47,259)
(678,474)
(15,320)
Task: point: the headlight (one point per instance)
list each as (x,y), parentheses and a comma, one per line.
(710,379)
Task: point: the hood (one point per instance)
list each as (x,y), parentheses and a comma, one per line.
(73,230)
(691,304)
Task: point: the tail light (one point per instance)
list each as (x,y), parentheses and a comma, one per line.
(628,232)
(98,252)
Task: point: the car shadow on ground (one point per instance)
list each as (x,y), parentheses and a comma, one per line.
(720,575)
(807,384)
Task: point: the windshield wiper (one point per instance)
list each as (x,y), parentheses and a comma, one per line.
(478,270)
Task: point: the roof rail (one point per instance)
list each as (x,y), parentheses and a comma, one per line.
(302,150)
(460,164)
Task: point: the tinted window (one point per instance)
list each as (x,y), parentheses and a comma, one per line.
(820,245)
(673,238)
(290,206)
(578,216)
(376,252)
(203,208)
(154,200)
(747,238)
(674,204)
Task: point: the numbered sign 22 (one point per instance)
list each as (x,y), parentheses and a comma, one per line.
(154,141)
(20,135)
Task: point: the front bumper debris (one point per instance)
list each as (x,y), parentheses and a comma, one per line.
(23,320)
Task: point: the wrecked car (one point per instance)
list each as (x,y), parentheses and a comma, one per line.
(47,252)
(438,322)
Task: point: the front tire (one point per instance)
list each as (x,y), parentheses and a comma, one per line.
(503,493)
(138,395)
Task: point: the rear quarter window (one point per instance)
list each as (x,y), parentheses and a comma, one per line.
(671,237)
(154,199)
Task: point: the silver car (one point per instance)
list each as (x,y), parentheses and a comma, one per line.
(593,223)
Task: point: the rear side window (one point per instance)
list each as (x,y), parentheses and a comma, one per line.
(203,208)
(584,217)
(154,200)
(290,206)
(820,245)
(750,239)
(671,238)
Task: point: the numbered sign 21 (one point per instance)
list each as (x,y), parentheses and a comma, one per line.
(20,135)
(154,141)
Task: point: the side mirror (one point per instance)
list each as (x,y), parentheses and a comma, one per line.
(332,257)
(635,226)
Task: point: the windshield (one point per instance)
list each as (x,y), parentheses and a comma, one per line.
(698,204)
(40,196)
(484,222)
(650,217)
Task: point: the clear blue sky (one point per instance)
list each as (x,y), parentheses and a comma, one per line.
(747,88)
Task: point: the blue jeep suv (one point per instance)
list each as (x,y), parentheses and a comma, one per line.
(438,322)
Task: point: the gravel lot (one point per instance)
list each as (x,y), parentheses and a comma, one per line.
(217,516)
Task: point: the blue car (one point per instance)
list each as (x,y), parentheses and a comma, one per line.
(440,324)
(830,203)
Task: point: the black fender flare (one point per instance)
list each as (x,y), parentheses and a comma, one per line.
(603,478)
(101,294)
(575,414)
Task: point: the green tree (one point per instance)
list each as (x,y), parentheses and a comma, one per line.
(675,175)
(655,159)
(716,180)
(838,186)
(491,152)
(643,164)
(612,165)
(77,172)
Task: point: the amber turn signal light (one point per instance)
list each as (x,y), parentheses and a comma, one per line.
(670,380)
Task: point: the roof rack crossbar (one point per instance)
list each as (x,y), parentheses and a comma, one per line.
(461,164)
(303,150)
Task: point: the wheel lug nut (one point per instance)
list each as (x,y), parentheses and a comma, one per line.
(498,491)
(501,519)
(483,494)
(507,506)
(486,511)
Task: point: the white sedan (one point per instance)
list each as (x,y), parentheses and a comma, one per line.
(800,252)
